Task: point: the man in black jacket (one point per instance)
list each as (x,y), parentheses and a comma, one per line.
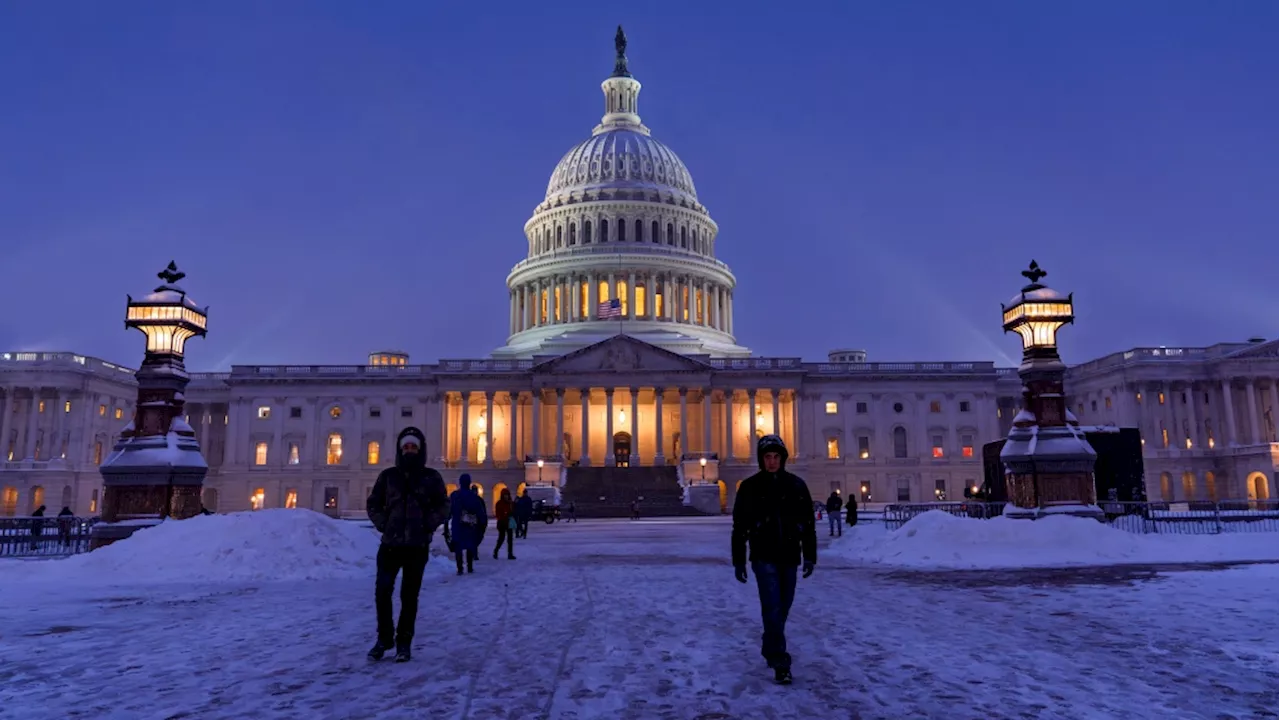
(407,504)
(774,514)
(833,513)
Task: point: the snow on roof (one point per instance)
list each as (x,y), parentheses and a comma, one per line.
(1041,294)
(167,451)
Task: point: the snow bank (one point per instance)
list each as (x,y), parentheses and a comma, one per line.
(937,539)
(267,545)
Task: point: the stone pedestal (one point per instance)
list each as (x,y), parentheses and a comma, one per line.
(1049,471)
(704,498)
(149,479)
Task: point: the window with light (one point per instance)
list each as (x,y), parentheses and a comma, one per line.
(864,447)
(937,446)
(264,412)
(833,448)
(333,454)
(260,454)
(258,499)
(291,499)
(373,452)
(966,446)
(832,408)
(335,412)
(293,453)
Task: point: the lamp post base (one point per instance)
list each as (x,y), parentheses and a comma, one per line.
(1080,510)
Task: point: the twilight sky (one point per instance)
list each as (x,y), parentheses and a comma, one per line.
(340,177)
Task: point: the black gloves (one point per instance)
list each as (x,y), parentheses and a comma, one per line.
(808,569)
(740,572)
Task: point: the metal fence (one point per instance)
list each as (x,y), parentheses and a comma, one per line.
(1185,518)
(44,536)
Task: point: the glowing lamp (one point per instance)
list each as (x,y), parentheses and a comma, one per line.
(1037,312)
(702,462)
(167,316)
(540,463)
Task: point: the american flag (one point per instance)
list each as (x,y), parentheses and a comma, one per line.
(609,309)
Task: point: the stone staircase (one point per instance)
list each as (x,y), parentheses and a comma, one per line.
(606,492)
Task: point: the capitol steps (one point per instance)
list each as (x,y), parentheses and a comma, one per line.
(606,492)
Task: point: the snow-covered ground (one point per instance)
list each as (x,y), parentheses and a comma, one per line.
(623,620)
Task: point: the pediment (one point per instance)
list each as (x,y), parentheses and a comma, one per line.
(620,353)
(1260,351)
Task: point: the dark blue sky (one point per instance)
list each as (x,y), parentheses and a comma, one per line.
(338,177)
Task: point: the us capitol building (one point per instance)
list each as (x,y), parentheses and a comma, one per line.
(621,376)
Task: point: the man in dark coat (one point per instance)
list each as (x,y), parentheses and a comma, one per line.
(524,513)
(407,504)
(773,513)
(467,519)
(834,503)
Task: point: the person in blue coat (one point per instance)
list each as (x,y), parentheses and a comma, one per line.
(467,521)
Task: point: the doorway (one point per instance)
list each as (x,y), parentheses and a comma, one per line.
(622,449)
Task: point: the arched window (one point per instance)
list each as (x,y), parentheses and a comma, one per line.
(604,232)
(899,442)
(639,231)
(671,234)
(586,231)
(573,234)
(654,235)
(559,235)
(684,237)
(333,449)
(622,230)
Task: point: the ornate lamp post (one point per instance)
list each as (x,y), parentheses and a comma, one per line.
(1048,462)
(156,470)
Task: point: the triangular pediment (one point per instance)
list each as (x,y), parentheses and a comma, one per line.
(620,353)
(1260,350)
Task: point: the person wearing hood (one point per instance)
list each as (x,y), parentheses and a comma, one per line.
(506,521)
(467,518)
(65,520)
(773,513)
(408,502)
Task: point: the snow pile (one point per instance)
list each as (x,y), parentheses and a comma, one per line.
(937,539)
(267,545)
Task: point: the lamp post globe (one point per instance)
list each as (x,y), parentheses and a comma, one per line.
(167,317)
(1036,314)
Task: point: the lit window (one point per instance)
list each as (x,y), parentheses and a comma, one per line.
(264,412)
(258,499)
(331,498)
(119,413)
(260,454)
(865,491)
(935,406)
(293,453)
(1160,398)
(833,449)
(831,408)
(1188,443)
(864,447)
(291,498)
(373,453)
(334,454)
(940,490)
(102,411)
(226,419)
(41,408)
(335,412)
(938,452)
(1164,437)
(93,502)
(66,406)
(97,453)
(999,413)
(1107,402)
(1138,397)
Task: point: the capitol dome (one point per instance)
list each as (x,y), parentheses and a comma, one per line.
(620,244)
(620,159)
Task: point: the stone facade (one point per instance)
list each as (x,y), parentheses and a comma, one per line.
(316,436)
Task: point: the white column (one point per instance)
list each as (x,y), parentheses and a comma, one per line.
(751,420)
(1229,415)
(714,304)
(1251,396)
(231,429)
(559,424)
(1275,410)
(537,423)
(584,458)
(1192,429)
(728,425)
(575,303)
(440,404)
(275,453)
(464,456)
(706,420)
(593,292)
(513,417)
(33,422)
(658,440)
(609,459)
(793,422)
(59,417)
(729,311)
(488,429)
(632,310)
(684,423)
(635,426)
(6,413)
(650,299)
(773,399)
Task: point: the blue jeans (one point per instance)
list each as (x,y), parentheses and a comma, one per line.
(833,522)
(777,587)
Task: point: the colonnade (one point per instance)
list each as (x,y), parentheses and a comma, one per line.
(42,430)
(594,425)
(576,297)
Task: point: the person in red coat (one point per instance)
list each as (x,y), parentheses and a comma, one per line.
(506,525)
